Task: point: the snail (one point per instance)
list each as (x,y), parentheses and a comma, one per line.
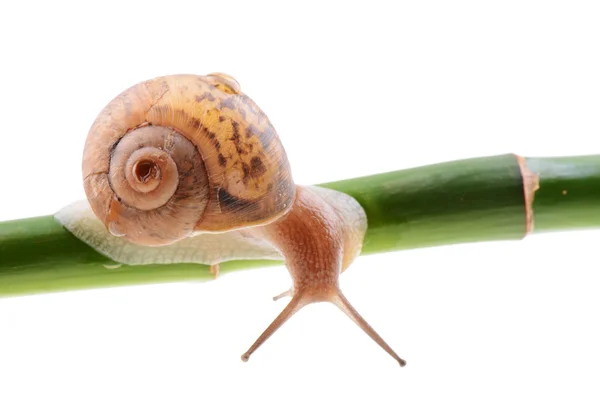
(185,156)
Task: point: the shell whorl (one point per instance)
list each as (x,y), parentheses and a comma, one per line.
(184,153)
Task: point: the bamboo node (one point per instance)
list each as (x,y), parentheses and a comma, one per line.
(531,183)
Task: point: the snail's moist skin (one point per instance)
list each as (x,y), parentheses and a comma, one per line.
(320,236)
(311,237)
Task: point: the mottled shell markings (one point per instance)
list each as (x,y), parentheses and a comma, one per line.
(245,164)
(235,136)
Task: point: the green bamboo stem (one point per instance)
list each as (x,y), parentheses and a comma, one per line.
(472,200)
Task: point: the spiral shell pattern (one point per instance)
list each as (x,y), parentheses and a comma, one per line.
(182,154)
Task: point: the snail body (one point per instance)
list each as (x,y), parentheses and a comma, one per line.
(181,155)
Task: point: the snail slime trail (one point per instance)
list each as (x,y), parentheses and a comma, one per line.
(180,155)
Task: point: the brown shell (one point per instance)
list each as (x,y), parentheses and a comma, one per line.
(249,176)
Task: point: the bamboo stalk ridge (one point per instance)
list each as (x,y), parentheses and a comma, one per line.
(501,197)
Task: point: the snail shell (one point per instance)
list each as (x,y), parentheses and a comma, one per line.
(182,154)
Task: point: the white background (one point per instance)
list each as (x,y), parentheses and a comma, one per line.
(353,89)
